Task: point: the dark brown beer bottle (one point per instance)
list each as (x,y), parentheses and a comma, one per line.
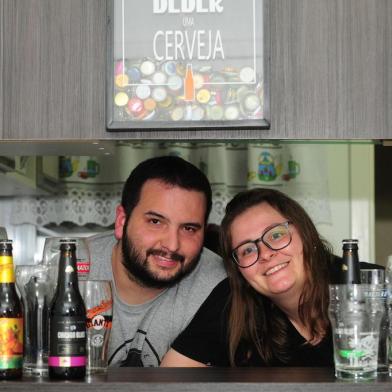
(11,317)
(67,320)
(350,271)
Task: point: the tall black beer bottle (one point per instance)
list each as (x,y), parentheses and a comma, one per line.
(67,320)
(11,317)
(350,271)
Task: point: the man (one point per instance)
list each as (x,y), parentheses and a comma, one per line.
(159,270)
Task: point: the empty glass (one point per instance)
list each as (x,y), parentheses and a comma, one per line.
(36,285)
(97,296)
(356,311)
(377,276)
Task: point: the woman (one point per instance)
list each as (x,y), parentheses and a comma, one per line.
(272,309)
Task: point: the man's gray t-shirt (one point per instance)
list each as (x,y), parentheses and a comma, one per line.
(142,334)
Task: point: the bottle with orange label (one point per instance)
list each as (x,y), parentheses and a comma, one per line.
(11,317)
(189,84)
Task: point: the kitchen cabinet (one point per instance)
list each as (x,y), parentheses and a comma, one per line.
(330,72)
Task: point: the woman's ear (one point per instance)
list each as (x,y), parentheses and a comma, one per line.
(119,222)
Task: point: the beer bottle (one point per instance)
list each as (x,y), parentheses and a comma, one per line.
(67,320)
(11,317)
(350,271)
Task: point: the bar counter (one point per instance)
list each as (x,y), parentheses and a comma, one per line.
(210,379)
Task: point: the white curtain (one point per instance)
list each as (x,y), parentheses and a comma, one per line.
(92,185)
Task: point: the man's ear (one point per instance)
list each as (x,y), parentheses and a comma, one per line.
(119,222)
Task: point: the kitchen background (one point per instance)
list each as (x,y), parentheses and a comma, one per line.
(48,194)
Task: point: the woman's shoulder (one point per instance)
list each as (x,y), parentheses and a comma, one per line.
(219,296)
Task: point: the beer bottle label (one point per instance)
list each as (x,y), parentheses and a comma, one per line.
(11,343)
(67,347)
(7,274)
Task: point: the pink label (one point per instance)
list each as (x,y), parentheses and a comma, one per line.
(67,361)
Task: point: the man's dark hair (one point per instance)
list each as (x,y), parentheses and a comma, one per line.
(170,170)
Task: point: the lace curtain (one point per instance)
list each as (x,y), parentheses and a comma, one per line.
(91,186)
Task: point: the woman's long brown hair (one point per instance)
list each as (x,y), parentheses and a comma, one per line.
(252,317)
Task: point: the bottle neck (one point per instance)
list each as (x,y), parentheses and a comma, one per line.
(351,265)
(67,275)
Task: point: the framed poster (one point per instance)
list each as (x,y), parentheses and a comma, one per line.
(188,64)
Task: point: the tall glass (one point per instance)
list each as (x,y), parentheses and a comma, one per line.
(36,285)
(355,312)
(97,296)
(377,276)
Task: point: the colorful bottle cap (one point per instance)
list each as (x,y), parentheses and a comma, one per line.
(215,112)
(218,97)
(174,83)
(251,102)
(159,78)
(169,67)
(217,78)
(230,95)
(147,67)
(143,91)
(121,99)
(232,112)
(159,94)
(205,69)
(203,95)
(242,91)
(166,103)
(135,106)
(197,113)
(247,75)
(150,104)
(180,69)
(230,71)
(177,113)
(134,74)
(121,80)
(149,115)
(143,114)
(198,80)
(119,67)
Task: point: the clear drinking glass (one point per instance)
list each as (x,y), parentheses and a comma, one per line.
(377,276)
(36,284)
(97,296)
(51,254)
(355,312)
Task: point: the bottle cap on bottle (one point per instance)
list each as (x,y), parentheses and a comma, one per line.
(350,244)
(67,241)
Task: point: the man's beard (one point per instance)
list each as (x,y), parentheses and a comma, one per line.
(138,268)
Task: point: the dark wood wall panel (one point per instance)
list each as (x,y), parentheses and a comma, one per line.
(330,68)
(54,67)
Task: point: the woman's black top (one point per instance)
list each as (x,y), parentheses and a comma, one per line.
(206,339)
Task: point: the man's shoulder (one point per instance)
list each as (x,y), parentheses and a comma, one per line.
(210,262)
(100,247)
